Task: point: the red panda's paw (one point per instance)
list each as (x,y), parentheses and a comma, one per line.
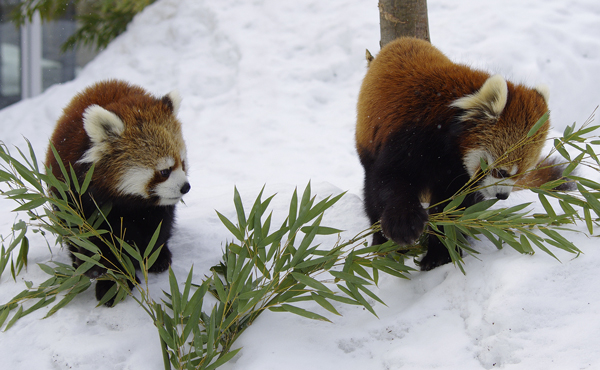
(404,226)
(163,261)
(431,261)
(437,255)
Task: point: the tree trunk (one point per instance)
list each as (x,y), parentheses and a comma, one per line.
(403,18)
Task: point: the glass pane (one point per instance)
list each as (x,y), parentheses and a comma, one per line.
(10,58)
(57,66)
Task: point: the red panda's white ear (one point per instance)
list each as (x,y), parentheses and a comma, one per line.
(487,103)
(544,92)
(100,124)
(174,99)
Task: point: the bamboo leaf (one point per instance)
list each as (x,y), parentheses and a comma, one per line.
(538,124)
(298,311)
(231,227)
(324,303)
(223,359)
(307,280)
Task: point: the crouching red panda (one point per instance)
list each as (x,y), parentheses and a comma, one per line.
(135,142)
(425,123)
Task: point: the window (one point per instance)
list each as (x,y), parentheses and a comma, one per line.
(31,59)
(10,58)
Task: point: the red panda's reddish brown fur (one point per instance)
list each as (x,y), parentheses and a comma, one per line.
(424,123)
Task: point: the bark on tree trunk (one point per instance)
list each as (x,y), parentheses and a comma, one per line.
(403,18)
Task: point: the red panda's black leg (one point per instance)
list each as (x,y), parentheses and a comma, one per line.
(403,224)
(389,198)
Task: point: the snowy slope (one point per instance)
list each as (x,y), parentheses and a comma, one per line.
(269,92)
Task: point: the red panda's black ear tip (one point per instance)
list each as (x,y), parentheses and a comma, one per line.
(173,101)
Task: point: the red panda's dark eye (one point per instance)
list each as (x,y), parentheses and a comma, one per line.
(165,173)
(500,174)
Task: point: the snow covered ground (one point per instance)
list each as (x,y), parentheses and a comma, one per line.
(269,92)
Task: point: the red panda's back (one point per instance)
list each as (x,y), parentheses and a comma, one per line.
(409,82)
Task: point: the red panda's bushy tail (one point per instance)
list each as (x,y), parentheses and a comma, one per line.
(549,169)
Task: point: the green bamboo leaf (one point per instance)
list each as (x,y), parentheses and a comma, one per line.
(338,298)
(589,150)
(74,179)
(153,257)
(133,251)
(324,303)
(558,145)
(546,205)
(47,269)
(14,319)
(219,288)
(561,241)
(63,302)
(300,254)
(239,207)
(5,176)
(87,180)
(483,164)
(309,281)
(586,182)
(353,292)
(152,241)
(293,208)
(322,206)
(298,311)
(591,200)
(349,278)
(569,130)
(573,164)
(540,245)
(587,130)
(479,207)
(538,124)
(68,284)
(4,312)
(27,175)
(175,294)
(315,261)
(526,245)
(231,227)
(321,230)
(306,196)
(370,294)
(588,220)
(455,203)
(110,294)
(223,359)
(31,205)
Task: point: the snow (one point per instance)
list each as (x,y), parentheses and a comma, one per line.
(269,91)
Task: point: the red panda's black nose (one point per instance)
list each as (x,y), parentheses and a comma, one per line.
(185,188)
(502,196)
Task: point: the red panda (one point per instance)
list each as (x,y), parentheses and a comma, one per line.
(424,125)
(136,145)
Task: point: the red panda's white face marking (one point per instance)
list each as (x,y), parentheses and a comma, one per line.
(134,181)
(499,180)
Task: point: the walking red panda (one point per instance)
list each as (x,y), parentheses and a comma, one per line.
(136,145)
(424,124)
